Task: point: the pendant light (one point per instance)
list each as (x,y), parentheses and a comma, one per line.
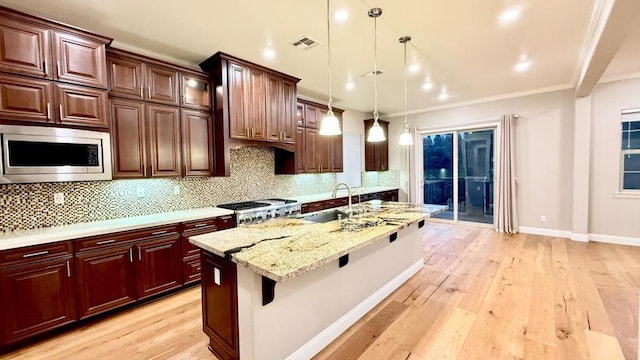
(405,138)
(329,125)
(376,133)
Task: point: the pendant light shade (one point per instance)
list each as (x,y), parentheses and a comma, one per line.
(376,133)
(329,125)
(405,138)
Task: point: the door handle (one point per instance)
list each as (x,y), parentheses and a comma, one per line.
(131,255)
(68,269)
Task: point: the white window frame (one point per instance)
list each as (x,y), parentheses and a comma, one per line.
(629,115)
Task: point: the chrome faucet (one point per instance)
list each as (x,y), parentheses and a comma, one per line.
(335,191)
(353,193)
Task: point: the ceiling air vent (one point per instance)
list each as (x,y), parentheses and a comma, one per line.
(305,42)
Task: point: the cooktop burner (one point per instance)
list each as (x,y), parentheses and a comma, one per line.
(243,205)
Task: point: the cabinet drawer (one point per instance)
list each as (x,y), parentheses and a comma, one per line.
(191,270)
(312,207)
(336,203)
(36,252)
(197,224)
(226,222)
(102,241)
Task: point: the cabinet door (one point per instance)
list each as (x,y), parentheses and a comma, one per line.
(163,135)
(256,104)
(24,49)
(127,139)
(197,143)
(300,152)
(288,116)
(125,77)
(105,280)
(300,114)
(323,150)
(382,149)
(337,159)
(81,106)
(220,305)
(36,297)
(79,60)
(158,265)
(310,153)
(25,99)
(162,84)
(196,91)
(237,83)
(274,103)
(311,116)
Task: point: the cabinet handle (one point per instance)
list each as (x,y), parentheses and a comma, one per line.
(200,225)
(46,68)
(131,255)
(184,99)
(140,254)
(252,133)
(105,242)
(141,91)
(246,131)
(228,217)
(149,91)
(198,269)
(68,269)
(58,68)
(159,232)
(35,254)
(61,117)
(48,111)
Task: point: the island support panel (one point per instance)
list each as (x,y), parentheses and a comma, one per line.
(310,311)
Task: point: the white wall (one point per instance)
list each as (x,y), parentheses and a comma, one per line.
(610,215)
(545,156)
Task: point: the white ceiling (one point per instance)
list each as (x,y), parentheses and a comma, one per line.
(458,43)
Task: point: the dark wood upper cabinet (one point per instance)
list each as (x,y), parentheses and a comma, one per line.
(323,150)
(82,106)
(310,154)
(376,154)
(79,60)
(26,99)
(281,120)
(128,139)
(299,155)
(162,84)
(24,48)
(300,114)
(158,268)
(196,91)
(38,290)
(197,144)
(312,116)
(126,77)
(256,104)
(238,100)
(163,134)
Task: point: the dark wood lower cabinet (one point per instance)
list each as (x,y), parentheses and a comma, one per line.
(36,297)
(389,195)
(158,266)
(105,280)
(220,305)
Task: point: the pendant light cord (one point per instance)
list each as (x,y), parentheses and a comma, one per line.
(406,124)
(375,69)
(329,57)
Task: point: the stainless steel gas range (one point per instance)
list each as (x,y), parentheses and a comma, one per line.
(248,212)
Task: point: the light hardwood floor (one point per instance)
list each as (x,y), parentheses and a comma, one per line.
(481,295)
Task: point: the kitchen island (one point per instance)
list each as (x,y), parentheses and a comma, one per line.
(285,288)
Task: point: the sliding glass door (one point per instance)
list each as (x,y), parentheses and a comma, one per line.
(466,188)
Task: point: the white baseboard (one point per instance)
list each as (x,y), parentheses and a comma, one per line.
(610,239)
(325,337)
(545,232)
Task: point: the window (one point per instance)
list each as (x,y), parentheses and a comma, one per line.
(630,163)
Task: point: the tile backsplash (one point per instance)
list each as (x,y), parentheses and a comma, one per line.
(29,206)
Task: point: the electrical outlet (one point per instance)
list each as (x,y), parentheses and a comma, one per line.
(176,189)
(141,192)
(543,218)
(58,198)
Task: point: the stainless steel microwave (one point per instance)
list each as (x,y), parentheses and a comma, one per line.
(32,154)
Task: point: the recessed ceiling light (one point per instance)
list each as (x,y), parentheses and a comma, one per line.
(444,95)
(522,66)
(414,68)
(341,15)
(427,86)
(269,53)
(350,85)
(508,16)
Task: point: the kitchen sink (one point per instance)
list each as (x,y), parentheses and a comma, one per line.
(325,216)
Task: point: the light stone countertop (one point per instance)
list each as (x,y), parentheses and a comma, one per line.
(52,234)
(284,248)
(342,192)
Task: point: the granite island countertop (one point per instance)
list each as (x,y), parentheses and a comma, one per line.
(284,248)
